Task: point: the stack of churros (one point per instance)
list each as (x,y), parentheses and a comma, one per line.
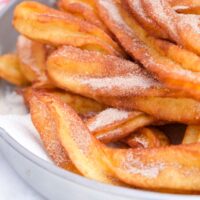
(107,82)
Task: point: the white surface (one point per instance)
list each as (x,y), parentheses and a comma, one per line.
(10,101)
(12,187)
(21,129)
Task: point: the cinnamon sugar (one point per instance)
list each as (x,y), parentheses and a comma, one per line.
(134,165)
(129,82)
(107,117)
(191,21)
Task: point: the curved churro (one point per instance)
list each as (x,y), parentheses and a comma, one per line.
(82,105)
(85,152)
(90,73)
(186,58)
(53,27)
(162,108)
(184,29)
(178,54)
(83,10)
(154,168)
(139,45)
(138,12)
(130,87)
(150,168)
(45,123)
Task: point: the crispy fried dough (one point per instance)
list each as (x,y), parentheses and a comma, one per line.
(108,125)
(147,138)
(147,23)
(187,59)
(120,125)
(167,109)
(10,70)
(45,123)
(184,29)
(53,27)
(168,23)
(83,149)
(151,168)
(92,74)
(80,104)
(89,74)
(32,57)
(137,43)
(83,10)
(112,125)
(184,57)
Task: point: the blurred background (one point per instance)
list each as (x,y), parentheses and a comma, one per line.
(3,3)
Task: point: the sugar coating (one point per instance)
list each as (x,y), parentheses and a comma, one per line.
(138,10)
(115,14)
(191,21)
(10,101)
(132,82)
(162,67)
(180,7)
(103,72)
(161,12)
(25,48)
(134,165)
(107,117)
